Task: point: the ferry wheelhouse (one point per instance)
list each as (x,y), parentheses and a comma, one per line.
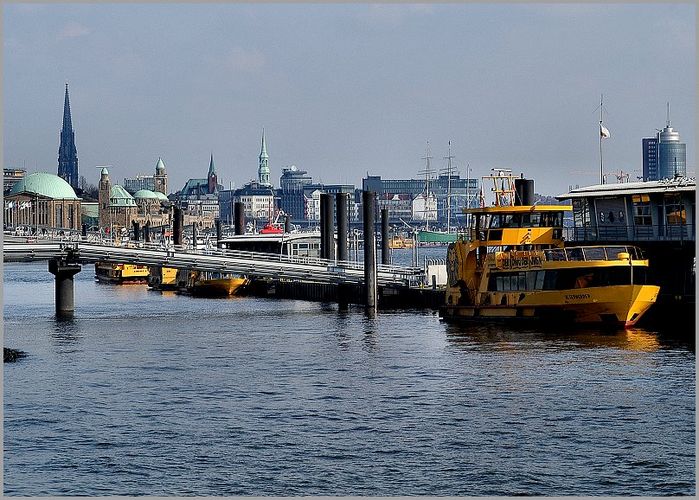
(512,264)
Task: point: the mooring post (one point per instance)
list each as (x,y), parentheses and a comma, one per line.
(136,230)
(239,217)
(329,227)
(385,251)
(218,233)
(194,235)
(65,296)
(84,231)
(146,232)
(287,223)
(342,255)
(368,205)
(177,220)
(323,227)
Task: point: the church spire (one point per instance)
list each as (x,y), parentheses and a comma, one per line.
(263,170)
(67,152)
(212,177)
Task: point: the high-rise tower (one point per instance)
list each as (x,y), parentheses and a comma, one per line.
(263,170)
(67,153)
(664,156)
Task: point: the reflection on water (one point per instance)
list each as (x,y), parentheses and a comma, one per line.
(487,335)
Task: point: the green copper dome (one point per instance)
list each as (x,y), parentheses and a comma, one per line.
(45,184)
(120,197)
(145,194)
(160,196)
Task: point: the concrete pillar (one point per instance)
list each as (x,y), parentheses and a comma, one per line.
(239,217)
(65,297)
(342,225)
(369,207)
(136,230)
(385,251)
(323,249)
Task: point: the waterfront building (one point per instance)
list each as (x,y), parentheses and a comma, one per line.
(664,156)
(117,208)
(199,197)
(291,188)
(424,208)
(67,152)
(10,177)
(156,183)
(463,192)
(311,194)
(259,200)
(42,200)
(399,205)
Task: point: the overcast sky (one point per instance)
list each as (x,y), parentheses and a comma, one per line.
(342,90)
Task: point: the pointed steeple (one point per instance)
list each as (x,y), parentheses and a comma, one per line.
(67,122)
(67,152)
(212,178)
(212,167)
(263,170)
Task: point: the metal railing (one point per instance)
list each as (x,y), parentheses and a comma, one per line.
(666,232)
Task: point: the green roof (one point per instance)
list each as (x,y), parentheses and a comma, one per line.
(44,184)
(145,194)
(120,197)
(161,196)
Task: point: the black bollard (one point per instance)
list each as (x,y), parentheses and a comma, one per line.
(239,218)
(194,235)
(287,224)
(218,233)
(84,231)
(342,225)
(368,205)
(136,230)
(177,226)
(327,236)
(65,296)
(146,232)
(385,251)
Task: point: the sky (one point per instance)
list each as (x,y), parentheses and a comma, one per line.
(342,90)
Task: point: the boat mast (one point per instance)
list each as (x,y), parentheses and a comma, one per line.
(428,172)
(449,171)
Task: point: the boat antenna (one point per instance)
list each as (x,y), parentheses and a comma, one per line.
(603,134)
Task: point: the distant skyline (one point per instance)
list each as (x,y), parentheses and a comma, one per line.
(343,90)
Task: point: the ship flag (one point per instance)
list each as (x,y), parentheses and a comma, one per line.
(603,132)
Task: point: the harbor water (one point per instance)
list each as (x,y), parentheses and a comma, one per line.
(155,393)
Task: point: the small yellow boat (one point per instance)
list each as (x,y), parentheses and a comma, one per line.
(214,284)
(121,274)
(162,278)
(401,242)
(513,265)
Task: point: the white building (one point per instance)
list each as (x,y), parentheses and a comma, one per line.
(424,208)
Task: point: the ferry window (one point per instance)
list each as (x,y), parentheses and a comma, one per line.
(513,281)
(641,213)
(495,221)
(510,220)
(575,253)
(531,280)
(611,216)
(550,280)
(595,253)
(534,219)
(539,285)
(555,255)
(639,276)
(521,281)
(613,252)
(584,279)
(499,286)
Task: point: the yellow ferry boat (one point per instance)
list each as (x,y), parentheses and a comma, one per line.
(162,278)
(512,265)
(121,273)
(214,284)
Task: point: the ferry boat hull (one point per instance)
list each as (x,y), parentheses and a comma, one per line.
(220,287)
(162,278)
(620,306)
(121,274)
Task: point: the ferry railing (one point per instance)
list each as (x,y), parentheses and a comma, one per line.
(642,233)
